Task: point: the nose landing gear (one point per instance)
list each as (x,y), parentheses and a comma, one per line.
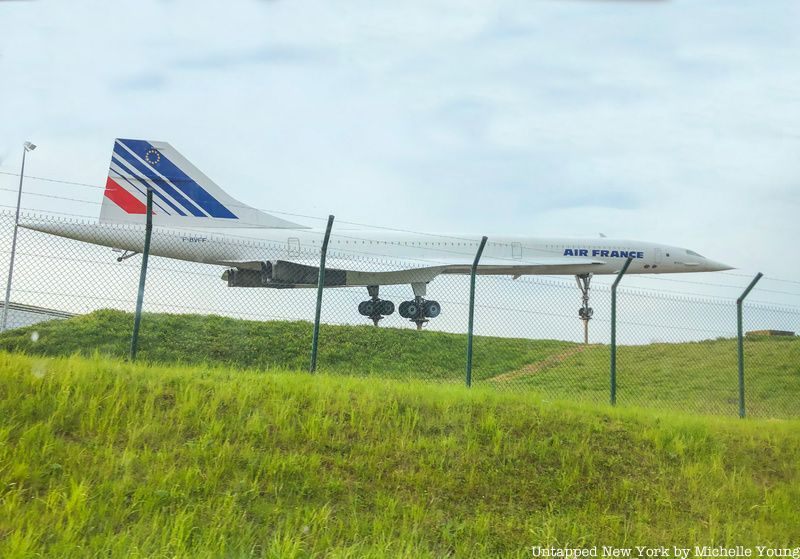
(585,312)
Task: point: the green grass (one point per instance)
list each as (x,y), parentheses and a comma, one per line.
(700,377)
(355,350)
(99,457)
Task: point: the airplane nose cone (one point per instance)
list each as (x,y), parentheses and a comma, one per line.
(714,266)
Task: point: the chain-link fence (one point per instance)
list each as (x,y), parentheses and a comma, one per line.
(674,351)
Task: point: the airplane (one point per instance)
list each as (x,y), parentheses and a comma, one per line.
(195,220)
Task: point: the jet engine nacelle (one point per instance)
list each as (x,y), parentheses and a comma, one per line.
(280,274)
(241,277)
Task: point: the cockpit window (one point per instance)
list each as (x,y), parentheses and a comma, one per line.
(693,253)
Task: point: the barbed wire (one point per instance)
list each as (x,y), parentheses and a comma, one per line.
(766,278)
(53,196)
(54,212)
(59,181)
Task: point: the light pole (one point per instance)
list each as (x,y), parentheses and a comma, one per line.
(28,146)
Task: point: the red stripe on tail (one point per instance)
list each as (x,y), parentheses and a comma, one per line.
(123,198)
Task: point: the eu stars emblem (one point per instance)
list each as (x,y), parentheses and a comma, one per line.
(152,157)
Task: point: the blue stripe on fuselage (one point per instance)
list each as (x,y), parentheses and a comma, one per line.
(187,185)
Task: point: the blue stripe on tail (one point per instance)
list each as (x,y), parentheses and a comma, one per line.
(142,172)
(178,178)
(122,178)
(133,178)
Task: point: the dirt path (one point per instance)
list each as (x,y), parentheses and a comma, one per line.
(543,365)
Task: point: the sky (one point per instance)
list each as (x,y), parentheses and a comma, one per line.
(674,122)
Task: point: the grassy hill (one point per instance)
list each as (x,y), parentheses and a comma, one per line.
(356,350)
(697,377)
(103,458)
(700,377)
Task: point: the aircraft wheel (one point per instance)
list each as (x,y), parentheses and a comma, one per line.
(362,308)
(386,308)
(432,309)
(412,308)
(403,310)
(369,308)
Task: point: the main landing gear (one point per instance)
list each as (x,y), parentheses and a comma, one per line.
(418,310)
(585,312)
(376,308)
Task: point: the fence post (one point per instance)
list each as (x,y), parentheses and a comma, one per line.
(473,271)
(740,337)
(148,230)
(320,284)
(27,147)
(614,331)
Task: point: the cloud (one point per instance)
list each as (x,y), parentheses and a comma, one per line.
(665,122)
(265,54)
(147,81)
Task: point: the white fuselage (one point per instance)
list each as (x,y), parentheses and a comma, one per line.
(379,249)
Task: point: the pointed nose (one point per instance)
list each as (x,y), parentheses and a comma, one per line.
(713,266)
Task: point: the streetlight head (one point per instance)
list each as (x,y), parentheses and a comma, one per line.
(29,146)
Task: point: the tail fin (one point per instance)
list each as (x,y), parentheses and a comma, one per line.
(182,195)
